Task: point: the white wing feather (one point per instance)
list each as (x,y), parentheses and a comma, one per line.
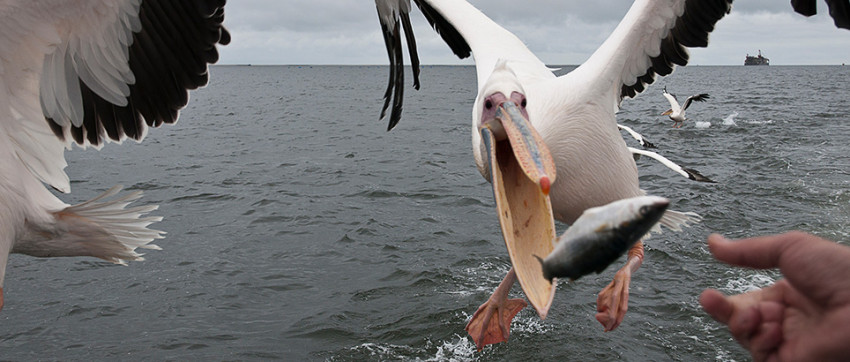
(627,52)
(674,104)
(490,42)
(666,162)
(46,47)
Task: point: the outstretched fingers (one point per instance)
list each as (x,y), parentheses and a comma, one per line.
(754,319)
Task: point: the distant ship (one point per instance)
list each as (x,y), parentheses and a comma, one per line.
(756,60)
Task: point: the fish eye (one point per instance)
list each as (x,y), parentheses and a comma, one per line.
(488,104)
(644,210)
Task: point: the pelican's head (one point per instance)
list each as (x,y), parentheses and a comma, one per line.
(513,157)
(502,102)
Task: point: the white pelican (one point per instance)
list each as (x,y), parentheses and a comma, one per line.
(574,116)
(677,113)
(684,171)
(637,136)
(87,72)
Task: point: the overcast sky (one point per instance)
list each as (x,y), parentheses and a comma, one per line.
(558,31)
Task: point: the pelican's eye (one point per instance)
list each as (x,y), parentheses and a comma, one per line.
(488,104)
(524,102)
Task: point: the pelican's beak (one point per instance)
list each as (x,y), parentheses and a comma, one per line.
(667,112)
(522,171)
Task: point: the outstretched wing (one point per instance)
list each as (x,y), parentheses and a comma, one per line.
(838,9)
(113,78)
(698,98)
(687,172)
(674,103)
(642,140)
(104,70)
(651,40)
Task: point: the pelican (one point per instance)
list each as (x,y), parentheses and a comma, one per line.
(567,121)
(86,73)
(637,136)
(636,153)
(677,113)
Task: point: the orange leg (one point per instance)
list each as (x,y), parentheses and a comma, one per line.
(1,298)
(483,328)
(613,301)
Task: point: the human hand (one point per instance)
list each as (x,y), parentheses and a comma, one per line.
(805,316)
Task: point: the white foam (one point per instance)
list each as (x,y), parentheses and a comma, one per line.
(755,121)
(462,349)
(702,124)
(458,349)
(748,283)
(730,119)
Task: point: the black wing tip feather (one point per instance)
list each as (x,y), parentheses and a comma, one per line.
(691,30)
(839,10)
(447,31)
(395,86)
(697,176)
(164,71)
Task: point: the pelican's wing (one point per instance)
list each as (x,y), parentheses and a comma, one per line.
(393,13)
(838,9)
(466,30)
(643,141)
(687,172)
(699,98)
(92,71)
(674,103)
(651,40)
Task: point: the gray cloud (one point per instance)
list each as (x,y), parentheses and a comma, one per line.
(559,32)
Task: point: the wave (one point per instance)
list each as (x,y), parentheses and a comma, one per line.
(702,124)
(730,119)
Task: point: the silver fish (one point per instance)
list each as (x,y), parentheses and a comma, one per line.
(601,235)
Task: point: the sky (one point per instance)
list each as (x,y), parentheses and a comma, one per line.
(562,32)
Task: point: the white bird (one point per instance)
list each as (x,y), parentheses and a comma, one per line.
(87,72)
(639,137)
(574,117)
(677,113)
(684,171)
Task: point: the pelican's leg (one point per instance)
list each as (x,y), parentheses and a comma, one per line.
(613,301)
(483,328)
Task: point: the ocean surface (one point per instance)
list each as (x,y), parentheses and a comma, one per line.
(299,229)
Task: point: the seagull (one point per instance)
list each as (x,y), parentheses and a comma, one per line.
(676,113)
(549,144)
(86,73)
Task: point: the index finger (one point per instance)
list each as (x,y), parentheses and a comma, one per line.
(760,252)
